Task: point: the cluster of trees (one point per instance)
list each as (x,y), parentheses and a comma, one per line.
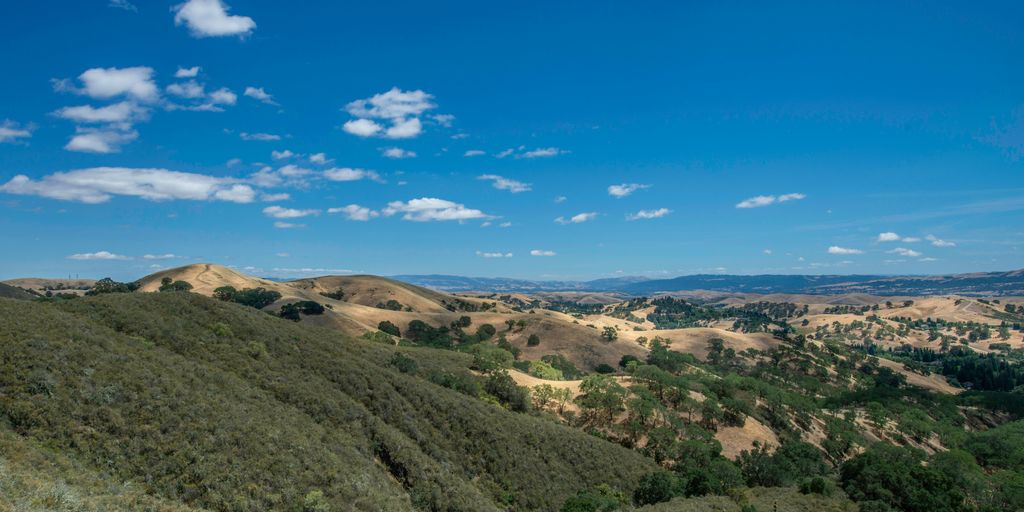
(392,305)
(338,294)
(108,285)
(293,311)
(258,298)
(672,313)
(169,285)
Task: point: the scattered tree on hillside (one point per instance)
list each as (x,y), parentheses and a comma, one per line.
(389,328)
(609,334)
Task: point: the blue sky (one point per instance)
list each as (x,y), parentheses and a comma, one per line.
(554,140)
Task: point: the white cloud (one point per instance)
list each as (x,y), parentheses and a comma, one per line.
(399,108)
(503,154)
(577,219)
(287,225)
(539,252)
(928,259)
(561,199)
(474,152)
(191,72)
(404,129)
(494,254)
(123,4)
(223,96)
(167,256)
(938,242)
(756,201)
(319,158)
(100,140)
(100,255)
(257,93)
(362,127)
(281,155)
(210,18)
(397,153)
(278,212)
(649,214)
(759,201)
(355,212)
(262,137)
(505,225)
(99,184)
(791,197)
(903,251)
(835,249)
(236,194)
(189,89)
(542,153)
(393,104)
(432,209)
(625,189)
(350,174)
(11,131)
(502,183)
(122,112)
(889,236)
(767,251)
(105,83)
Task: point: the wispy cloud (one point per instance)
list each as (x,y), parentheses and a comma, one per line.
(759,201)
(938,242)
(625,189)
(355,212)
(397,153)
(541,252)
(258,94)
(99,255)
(835,249)
(502,183)
(168,256)
(903,251)
(262,137)
(577,219)
(649,214)
(494,254)
(890,236)
(11,131)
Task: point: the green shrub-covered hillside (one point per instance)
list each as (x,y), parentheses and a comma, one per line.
(187,401)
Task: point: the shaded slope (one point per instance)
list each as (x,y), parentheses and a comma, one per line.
(225,407)
(13,292)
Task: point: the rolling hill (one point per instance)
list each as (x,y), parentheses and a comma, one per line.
(212,405)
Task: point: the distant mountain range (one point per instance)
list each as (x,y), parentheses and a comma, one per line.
(978,283)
